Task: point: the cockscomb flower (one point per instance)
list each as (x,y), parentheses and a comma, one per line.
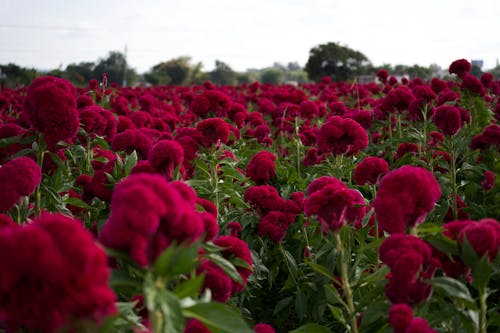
(261,168)
(51,108)
(147,215)
(131,140)
(165,156)
(264,199)
(263,328)
(460,67)
(57,276)
(405,197)
(483,236)
(213,130)
(275,224)
(18,177)
(342,136)
(402,320)
(219,283)
(489,180)
(370,170)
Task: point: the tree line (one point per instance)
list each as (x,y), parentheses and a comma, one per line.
(337,61)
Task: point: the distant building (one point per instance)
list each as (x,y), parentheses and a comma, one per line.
(477,63)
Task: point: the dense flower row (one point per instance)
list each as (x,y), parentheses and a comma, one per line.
(386,156)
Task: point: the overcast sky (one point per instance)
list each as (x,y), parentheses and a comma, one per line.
(47,34)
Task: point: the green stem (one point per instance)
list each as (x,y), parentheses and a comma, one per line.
(38,191)
(483,326)
(398,126)
(453,175)
(287,264)
(215,182)
(345,284)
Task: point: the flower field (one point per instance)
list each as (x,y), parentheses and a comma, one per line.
(325,207)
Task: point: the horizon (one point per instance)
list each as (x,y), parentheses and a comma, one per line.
(246,35)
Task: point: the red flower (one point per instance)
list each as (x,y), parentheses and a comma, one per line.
(236,248)
(448,119)
(382,75)
(261,168)
(400,316)
(263,328)
(18,177)
(51,108)
(489,180)
(472,84)
(489,137)
(196,326)
(460,67)
(399,98)
(131,140)
(335,206)
(370,170)
(323,181)
(405,197)
(147,215)
(213,130)
(165,156)
(219,283)
(234,228)
(264,198)
(341,136)
(57,276)
(483,236)
(275,224)
(419,325)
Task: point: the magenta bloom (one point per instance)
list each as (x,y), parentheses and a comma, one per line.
(342,136)
(405,197)
(57,275)
(131,140)
(275,224)
(448,119)
(400,316)
(264,199)
(472,84)
(18,177)
(489,181)
(263,328)
(335,206)
(489,137)
(483,236)
(370,170)
(51,108)
(213,130)
(147,215)
(460,67)
(219,283)
(236,248)
(165,156)
(261,168)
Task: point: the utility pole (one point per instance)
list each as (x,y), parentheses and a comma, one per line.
(124,82)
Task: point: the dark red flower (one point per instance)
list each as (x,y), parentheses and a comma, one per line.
(51,108)
(483,236)
(489,137)
(57,276)
(263,328)
(341,136)
(400,316)
(399,98)
(131,140)
(460,67)
(261,167)
(147,215)
(219,283)
(275,224)
(165,156)
(213,130)
(405,197)
(448,119)
(419,325)
(196,326)
(234,228)
(382,75)
(489,180)
(406,148)
(370,170)
(264,199)
(472,84)
(18,177)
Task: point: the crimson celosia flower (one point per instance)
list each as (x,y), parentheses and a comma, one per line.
(210,224)
(264,198)
(399,98)
(448,119)
(234,228)
(321,182)
(489,180)
(483,236)
(18,177)
(51,108)
(400,316)
(261,167)
(489,137)
(370,170)
(219,283)
(213,130)
(196,326)
(405,197)
(236,248)
(131,140)
(335,206)
(165,156)
(419,325)
(147,215)
(263,328)
(472,84)
(459,67)
(57,276)
(341,136)
(275,224)
(382,75)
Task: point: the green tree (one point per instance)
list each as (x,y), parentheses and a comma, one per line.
(176,71)
(272,75)
(116,69)
(80,74)
(12,75)
(341,63)
(222,74)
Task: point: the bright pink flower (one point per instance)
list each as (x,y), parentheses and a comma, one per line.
(57,275)
(275,224)
(483,236)
(405,197)
(131,140)
(264,199)
(261,167)
(263,328)
(213,130)
(400,316)
(342,136)
(489,180)
(236,248)
(165,156)
(196,326)
(219,283)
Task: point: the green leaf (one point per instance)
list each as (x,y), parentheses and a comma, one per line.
(176,259)
(481,268)
(292,264)
(171,309)
(454,289)
(77,203)
(226,266)
(130,162)
(189,288)
(311,328)
(300,304)
(121,279)
(320,269)
(218,317)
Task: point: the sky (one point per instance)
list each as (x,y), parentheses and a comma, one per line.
(48,34)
